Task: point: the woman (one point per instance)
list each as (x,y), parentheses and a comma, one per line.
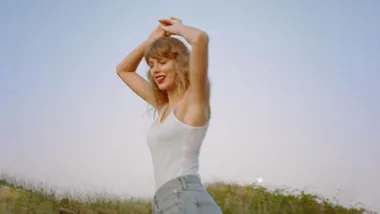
(179,90)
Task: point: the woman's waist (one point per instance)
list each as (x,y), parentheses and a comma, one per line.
(168,175)
(185,182)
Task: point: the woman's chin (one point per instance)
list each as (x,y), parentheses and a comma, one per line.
(164,87)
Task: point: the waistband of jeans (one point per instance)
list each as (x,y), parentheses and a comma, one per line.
(181,181)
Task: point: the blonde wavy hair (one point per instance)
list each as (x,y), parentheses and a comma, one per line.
(169,48)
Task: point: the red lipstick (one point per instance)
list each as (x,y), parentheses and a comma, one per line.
(160,78)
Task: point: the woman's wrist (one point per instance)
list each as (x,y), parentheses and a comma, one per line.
(192,35)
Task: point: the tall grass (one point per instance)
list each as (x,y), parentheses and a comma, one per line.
(20,197)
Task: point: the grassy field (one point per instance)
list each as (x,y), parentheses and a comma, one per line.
(18,197)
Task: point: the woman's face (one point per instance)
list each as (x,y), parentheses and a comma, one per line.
(163,72)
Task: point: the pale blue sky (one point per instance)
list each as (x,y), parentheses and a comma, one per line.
(295,97)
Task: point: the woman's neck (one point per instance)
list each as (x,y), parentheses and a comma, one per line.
(173,97)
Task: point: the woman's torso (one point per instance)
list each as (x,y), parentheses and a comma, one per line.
(174,147)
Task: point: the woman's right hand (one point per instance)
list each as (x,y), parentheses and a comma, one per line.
(157,33)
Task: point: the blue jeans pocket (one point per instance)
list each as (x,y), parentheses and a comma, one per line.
(169,204)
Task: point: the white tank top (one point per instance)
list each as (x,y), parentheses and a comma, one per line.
(174,147)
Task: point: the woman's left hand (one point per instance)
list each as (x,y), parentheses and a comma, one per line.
(171,26)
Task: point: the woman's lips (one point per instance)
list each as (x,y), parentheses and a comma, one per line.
(160,79)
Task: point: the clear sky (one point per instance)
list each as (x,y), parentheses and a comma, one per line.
(295,94)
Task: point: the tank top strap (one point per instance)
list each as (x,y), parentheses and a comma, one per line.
(175,107)
(162,111)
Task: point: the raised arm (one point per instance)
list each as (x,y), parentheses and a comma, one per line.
(126,69)
(199,91)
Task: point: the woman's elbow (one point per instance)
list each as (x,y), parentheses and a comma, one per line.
(201,38)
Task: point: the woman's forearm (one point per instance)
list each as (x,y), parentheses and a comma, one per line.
(193,35)
(133,59)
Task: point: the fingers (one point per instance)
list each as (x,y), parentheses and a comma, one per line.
(165,28)
(167,25)
(176,19)
(166,22)
(170,21)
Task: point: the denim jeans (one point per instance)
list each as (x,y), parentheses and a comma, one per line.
(184,195)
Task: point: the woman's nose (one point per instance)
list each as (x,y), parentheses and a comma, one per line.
(155,69)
